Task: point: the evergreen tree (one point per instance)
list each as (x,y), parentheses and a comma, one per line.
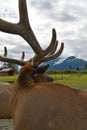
(4,65)
(77,69)
(9,65)
(70,67)
(86,66)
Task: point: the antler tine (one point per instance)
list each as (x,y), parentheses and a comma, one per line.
(48,57)
(51,57)
(23,12)
(10,60)
(52,44)
(48,50)
(9,27)
(5,52)
(23,56)
(54,48)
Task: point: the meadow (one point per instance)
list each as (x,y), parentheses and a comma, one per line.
(9,79)
(78,81)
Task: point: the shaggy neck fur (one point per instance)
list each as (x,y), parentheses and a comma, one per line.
(25,77)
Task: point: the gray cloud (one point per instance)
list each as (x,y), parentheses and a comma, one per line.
(8,13)
(62,17)
(42,5)
(68,17)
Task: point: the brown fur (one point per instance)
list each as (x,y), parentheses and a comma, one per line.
(48,106)
(5,91)
(42,78)
(4,101)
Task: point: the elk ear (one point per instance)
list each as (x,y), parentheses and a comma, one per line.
(41,69)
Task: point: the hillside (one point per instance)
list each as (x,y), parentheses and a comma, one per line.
(65,64)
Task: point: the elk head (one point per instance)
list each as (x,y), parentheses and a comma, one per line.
(24,29)
(30,74)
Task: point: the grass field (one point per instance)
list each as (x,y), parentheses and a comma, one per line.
(10,79)
(75,80)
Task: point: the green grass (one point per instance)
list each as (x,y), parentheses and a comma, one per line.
(74,80)
(10,79)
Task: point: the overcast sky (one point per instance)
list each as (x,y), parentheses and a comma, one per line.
(68,17)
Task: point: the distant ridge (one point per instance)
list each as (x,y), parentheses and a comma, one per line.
(69,63)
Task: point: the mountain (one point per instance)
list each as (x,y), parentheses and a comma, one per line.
(65,64)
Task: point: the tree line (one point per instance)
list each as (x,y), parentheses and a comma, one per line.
(70,70)
(9,65)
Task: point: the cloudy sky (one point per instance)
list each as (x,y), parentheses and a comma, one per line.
(68,17)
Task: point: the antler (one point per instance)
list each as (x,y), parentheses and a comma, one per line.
(15,61)
(24,29)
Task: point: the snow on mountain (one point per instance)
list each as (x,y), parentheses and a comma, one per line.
(70,62)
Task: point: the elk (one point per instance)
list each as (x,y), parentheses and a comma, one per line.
(4,101)
(5,92)
(44,105)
